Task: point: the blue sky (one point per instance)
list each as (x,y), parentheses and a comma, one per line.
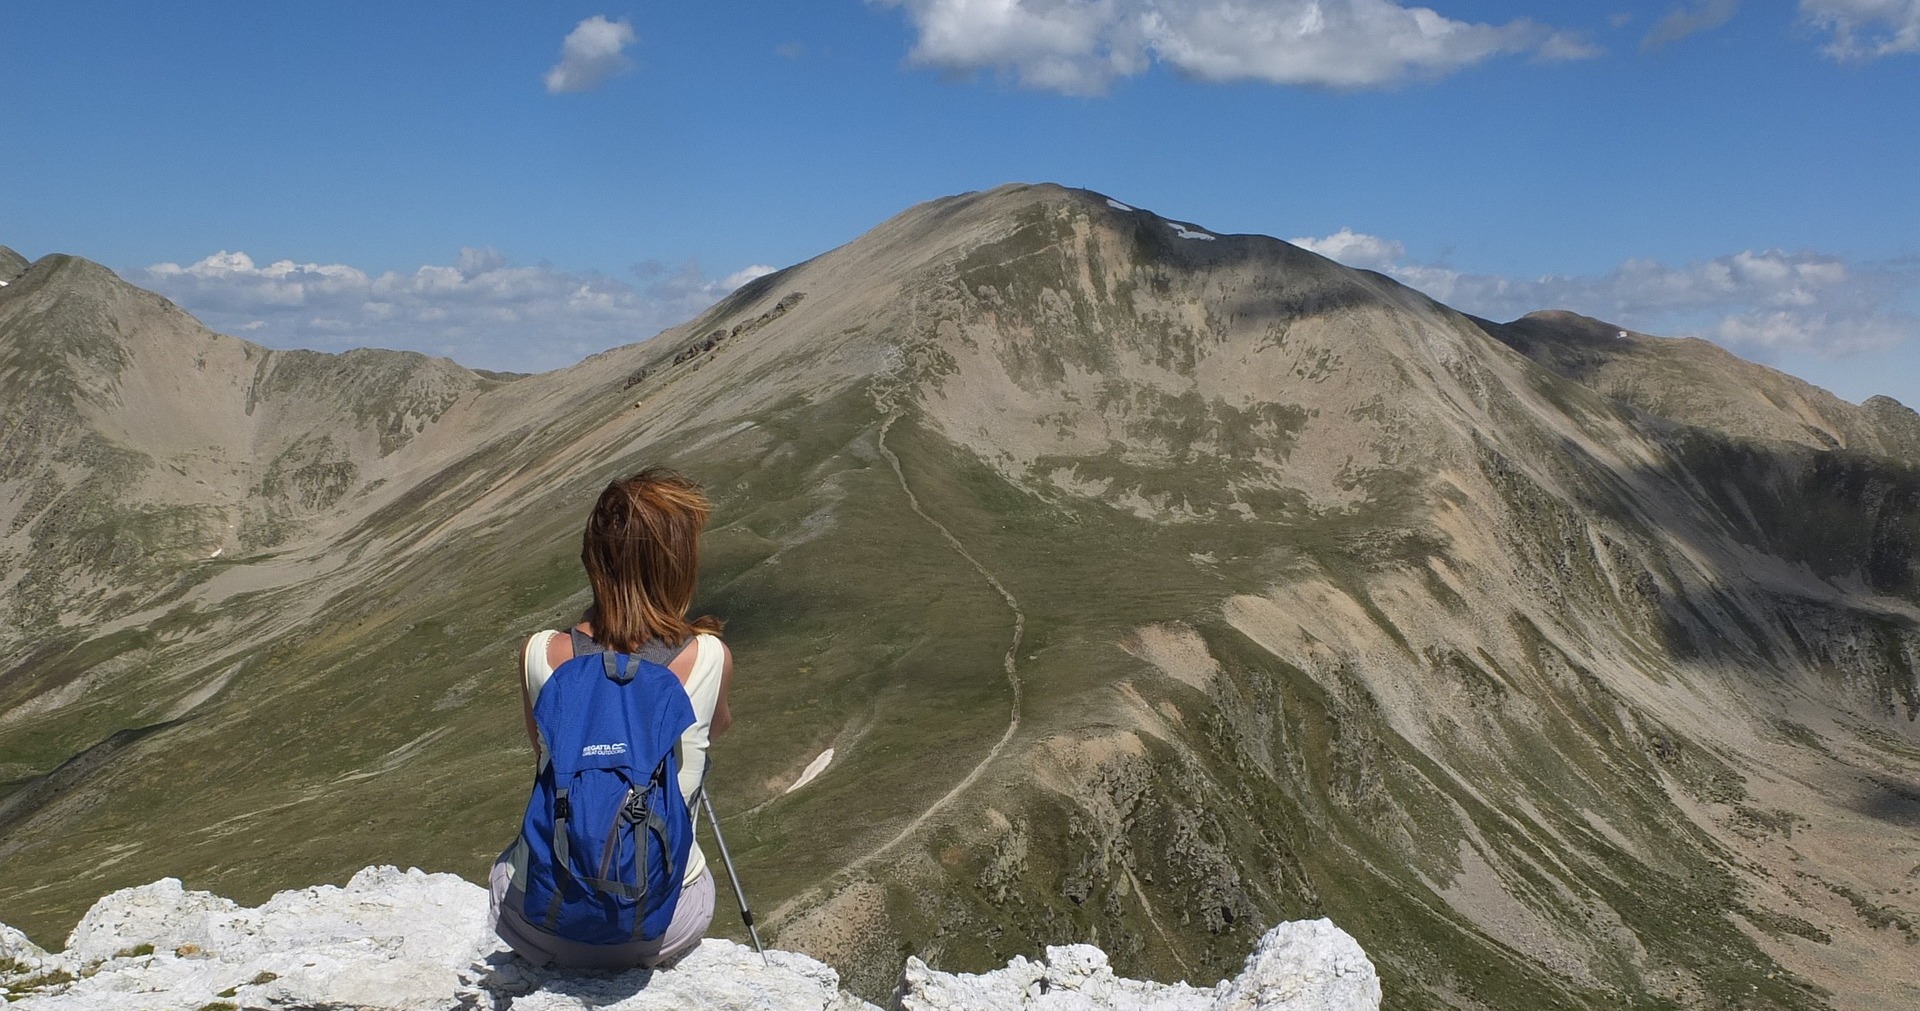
(520,185)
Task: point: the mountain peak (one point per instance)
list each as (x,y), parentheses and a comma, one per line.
(69,315)
(964,219)
(65,270)
(1561,326)
(11,264)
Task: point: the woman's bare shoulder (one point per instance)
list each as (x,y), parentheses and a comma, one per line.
(540,648)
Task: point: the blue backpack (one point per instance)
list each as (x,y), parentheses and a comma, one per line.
(606,831)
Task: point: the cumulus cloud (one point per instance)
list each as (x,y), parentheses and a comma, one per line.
(1356,249)
(591,53)
(1083,46)
(1755,301)
(745,274)
(1689,20)
(482,310)
(1866,29)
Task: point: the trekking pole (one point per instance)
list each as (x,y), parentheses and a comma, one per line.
(746,915)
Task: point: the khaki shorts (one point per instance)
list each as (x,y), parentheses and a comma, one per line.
(690,919)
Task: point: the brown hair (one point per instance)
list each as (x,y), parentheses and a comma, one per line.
(641,551)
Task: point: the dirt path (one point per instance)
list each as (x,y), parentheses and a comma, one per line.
(1009,662)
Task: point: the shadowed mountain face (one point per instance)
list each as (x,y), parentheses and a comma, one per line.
(1148,586)
(1699,383)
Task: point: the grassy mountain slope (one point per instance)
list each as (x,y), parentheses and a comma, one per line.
(1148,587)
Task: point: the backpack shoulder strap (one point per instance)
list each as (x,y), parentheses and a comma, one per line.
(660,651)
(583,644)
(657,651)
(586,645)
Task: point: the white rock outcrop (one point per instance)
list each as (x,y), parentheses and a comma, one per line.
(410,941)
(1306,965)
(19,952)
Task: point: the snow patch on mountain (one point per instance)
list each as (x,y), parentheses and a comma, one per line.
(813,770)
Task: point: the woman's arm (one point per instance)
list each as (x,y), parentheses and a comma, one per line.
(526,701)
(722,716)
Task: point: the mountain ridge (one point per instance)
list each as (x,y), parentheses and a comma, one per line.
(1693,389)
(11,264)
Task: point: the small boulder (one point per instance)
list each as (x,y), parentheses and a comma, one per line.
(18,954)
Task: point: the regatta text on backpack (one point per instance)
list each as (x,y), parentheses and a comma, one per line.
(606,831)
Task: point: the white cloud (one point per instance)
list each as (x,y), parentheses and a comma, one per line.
(474,262)
(1758,301)
(1083,46)
(1368,252)
(482,311)
(745,274)
(1562,46)
(1828,335)
(1689,20)
(1866,29)
(591,53)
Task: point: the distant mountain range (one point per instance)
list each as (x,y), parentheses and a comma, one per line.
(1148,585)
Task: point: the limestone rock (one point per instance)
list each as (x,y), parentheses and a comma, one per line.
(394,940)
(1072,978)
(16,949)
(718,974)
(390,940)
(1308,965)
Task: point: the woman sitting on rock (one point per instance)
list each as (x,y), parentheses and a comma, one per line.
(573,889)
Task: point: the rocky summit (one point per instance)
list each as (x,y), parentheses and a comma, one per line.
(1092,576)
(410,941)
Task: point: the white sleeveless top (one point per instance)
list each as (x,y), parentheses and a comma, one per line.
(703,690)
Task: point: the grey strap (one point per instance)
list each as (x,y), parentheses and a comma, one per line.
(620,888)
(660,651)
(657,824)
(634,893)
(657,651)
(613,838)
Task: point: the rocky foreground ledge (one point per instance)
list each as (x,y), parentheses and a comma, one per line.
(412,941)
